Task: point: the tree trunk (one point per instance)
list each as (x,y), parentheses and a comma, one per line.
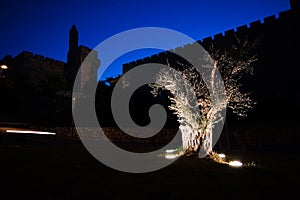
(189,137)
(206,146)
(192,141)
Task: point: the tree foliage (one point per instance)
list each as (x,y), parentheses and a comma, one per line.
(191,100)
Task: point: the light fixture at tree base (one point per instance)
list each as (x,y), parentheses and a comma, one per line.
(235,163)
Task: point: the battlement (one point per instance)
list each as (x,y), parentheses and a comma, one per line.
(251,29)
(38,58)
(38,62)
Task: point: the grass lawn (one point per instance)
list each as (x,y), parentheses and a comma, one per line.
(70,172)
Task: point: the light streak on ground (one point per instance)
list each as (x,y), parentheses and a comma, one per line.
(30,132)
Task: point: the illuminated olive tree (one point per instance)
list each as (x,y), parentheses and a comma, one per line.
(197,117)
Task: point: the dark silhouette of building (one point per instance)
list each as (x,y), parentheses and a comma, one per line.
(76,56)
(275,82)
(33,66)
(271,30)
(36,89)
(274,85)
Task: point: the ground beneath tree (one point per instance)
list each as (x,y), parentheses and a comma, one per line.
(70,172)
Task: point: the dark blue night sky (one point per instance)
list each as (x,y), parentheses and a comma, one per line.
(42,27)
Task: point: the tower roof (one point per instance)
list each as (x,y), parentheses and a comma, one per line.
(74,27)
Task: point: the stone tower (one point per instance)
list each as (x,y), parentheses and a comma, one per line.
(73,61)
(76,55)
